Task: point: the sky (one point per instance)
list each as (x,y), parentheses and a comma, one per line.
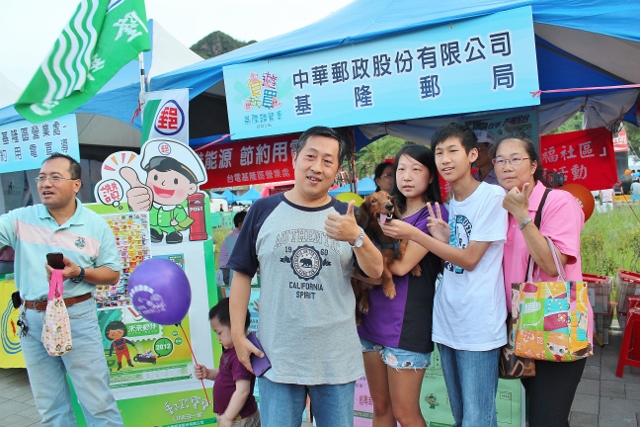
(30,27)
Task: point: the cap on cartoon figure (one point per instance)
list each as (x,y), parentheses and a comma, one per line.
(156,150)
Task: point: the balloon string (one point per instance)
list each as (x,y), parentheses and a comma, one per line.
(204,388)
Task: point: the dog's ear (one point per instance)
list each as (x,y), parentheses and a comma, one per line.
(396,212)
(363,213)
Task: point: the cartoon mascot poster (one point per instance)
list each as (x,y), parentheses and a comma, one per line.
(164,180)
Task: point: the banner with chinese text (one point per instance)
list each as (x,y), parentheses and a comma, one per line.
(620,142)
(101,37)
(584,157)
(249,162)
(522,123)
(480,64)
(24,145)
(166,115)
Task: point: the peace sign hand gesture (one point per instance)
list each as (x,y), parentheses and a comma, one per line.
(438,227)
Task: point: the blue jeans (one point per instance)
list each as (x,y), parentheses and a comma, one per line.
(472,384)
(281,405)
(85,364)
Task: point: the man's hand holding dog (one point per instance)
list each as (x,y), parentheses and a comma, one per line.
(343,227)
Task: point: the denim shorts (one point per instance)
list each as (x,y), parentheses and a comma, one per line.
(396,357)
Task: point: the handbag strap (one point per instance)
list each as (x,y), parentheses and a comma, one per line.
(55,284)
(556,259)
(536,221)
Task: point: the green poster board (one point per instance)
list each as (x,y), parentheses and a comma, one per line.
(434,401)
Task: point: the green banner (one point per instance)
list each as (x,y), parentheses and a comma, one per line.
(101,37)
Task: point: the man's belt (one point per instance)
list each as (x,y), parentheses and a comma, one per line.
(42,305)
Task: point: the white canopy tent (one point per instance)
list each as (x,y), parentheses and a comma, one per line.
(9,91)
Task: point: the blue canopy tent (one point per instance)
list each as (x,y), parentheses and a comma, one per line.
(250,196)
(344,189)
(579,43)
(366,186)
(228,196)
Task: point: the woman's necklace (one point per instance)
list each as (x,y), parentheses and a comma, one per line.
(413,212)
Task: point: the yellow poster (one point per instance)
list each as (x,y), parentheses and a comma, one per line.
(11,354)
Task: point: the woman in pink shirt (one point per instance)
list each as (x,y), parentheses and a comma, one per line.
(518,169)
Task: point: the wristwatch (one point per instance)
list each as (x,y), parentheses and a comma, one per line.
(80,277)
(524,223)
(359,240)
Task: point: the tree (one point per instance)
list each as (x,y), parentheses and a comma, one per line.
(633,135)
(571,125)
(367,158)
(216,44)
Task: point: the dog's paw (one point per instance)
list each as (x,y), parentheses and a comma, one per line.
(416,271)
(363,307)
(389,292)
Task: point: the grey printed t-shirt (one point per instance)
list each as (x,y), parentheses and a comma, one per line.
(307,307)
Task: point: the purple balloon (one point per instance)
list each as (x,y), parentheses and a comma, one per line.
(160,291)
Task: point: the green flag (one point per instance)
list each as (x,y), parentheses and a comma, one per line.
(101,37)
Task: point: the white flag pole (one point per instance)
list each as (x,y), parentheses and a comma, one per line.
(143,86)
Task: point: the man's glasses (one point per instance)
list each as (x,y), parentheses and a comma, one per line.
(53,179)
(515,161)
(386,175)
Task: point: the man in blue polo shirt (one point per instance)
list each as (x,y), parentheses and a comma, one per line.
(62,224)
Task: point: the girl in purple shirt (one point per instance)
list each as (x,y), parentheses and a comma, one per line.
(396,333)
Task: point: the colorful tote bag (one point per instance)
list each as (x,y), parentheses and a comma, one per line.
(551,319)
(56,331)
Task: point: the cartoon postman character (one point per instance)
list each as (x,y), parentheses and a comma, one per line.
(173,173)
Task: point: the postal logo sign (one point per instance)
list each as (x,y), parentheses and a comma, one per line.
(170,119)
(164,148)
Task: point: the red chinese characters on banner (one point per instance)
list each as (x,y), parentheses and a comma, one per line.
(250,161)
(168,119)
(584,157)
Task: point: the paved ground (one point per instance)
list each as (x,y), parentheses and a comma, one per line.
(603,400)
(16,401)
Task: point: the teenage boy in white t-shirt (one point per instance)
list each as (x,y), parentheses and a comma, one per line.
(470,309)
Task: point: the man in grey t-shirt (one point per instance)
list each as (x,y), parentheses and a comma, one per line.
(304,242)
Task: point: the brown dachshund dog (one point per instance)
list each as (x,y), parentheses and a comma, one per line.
(377,208)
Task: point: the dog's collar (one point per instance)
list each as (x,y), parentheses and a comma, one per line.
(395,246)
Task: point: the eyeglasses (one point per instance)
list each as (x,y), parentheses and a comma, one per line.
(386,175)
(515,161)
(53,179)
